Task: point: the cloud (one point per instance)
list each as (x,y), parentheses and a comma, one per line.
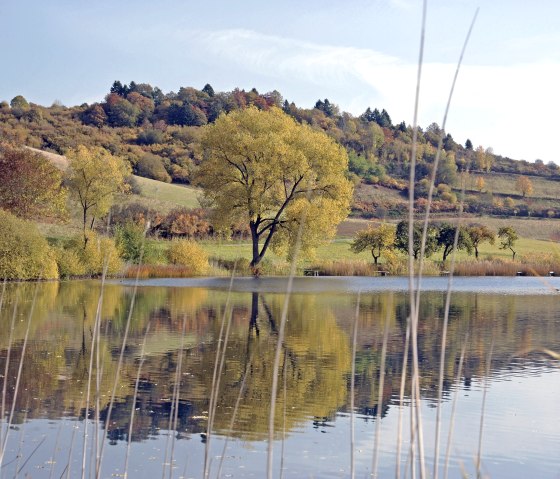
(510,108)
(273,55)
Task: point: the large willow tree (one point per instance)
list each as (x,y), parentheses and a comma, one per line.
(265,170)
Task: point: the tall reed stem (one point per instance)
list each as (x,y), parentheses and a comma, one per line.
(218,364)
(453,408)
(352,381)
(279,344)
(380,394)
(413,318)
(483,409)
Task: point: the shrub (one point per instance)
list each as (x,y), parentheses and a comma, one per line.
(188,253)
(185,222)
(95,253)
(131,242)
(69,263)
(136,213)
(24,253)
(149,137)
(151,166)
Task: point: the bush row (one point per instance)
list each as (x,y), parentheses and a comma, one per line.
(26,255)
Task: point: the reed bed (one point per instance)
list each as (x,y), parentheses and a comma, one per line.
(525,266)
(146,271)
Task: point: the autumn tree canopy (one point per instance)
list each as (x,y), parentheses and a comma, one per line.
(270,172)
(30,185)
(524,186)
(377,239)
(480,234)
(94,176)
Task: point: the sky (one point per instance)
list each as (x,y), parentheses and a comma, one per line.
(355,53)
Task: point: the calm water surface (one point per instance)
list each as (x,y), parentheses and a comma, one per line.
(57,427)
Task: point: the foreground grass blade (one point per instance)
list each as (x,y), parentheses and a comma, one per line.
(453,408)
(276,366)
(352,381)
(482,412)
(18,378)
(413,318)
(444,331)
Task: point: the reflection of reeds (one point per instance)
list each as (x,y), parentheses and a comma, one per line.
(218,367)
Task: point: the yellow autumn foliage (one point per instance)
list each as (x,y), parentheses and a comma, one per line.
(188,253)
(24,253)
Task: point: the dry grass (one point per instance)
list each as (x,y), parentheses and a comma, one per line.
(396,267)
(529,265)
(176,195)
(146,271)
(345,268)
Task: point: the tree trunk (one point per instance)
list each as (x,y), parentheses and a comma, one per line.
(85,222)
(476,252)
(255,239)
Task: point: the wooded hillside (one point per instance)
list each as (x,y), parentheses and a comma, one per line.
(158,134)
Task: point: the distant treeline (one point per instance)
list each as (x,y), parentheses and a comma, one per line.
(158,133)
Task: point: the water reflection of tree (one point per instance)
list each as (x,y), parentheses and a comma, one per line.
(316,348)
(317,360)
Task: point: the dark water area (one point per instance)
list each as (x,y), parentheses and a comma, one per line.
(56,416)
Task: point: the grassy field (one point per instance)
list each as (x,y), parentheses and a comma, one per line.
(505,185)
(339,250)
(530,228)
(164,196)
(154,194)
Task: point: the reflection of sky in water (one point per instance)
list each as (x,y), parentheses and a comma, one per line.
(490,284)
(518,441)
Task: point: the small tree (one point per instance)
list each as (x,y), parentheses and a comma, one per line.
(480,183)
(508,236)
(401,240)
(30,184)
(479,234)
(446,239)
(94,176)
(524,186)
(375,238)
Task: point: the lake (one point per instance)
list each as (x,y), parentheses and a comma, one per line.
(62,356)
